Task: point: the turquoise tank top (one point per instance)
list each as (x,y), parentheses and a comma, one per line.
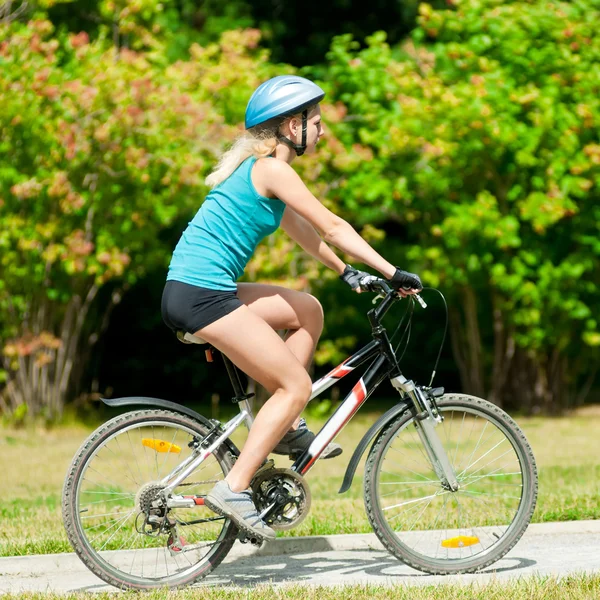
(220,240)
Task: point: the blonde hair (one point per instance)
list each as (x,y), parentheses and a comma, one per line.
(260,143)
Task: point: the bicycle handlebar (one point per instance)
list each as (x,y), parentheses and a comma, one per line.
(370,283)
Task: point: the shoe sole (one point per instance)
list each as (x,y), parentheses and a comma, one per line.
(298,453)
(333,453)
(239,522)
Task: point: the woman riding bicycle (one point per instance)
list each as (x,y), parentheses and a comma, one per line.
(255,191)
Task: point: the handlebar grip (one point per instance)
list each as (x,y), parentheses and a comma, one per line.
(376,284)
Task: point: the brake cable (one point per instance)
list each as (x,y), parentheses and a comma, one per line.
(407,330)
(437,360)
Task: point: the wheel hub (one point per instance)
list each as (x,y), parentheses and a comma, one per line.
(152,518)
(149,497)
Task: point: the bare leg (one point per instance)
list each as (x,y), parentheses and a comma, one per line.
(299,313)
(254,347)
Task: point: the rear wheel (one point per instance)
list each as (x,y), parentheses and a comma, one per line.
(113,512)
(432,528)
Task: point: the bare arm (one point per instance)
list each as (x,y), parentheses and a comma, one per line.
(345,237)
(302,232)
(284,183)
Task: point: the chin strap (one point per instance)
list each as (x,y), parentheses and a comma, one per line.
(299,149)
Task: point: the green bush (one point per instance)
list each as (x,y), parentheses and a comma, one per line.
(480,137)
(103,148)
(470,153)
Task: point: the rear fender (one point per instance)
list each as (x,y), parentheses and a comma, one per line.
(386,418)
(178,408)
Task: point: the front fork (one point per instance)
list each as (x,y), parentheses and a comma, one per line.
(426,422)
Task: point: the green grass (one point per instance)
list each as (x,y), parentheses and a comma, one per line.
(34,463)
(576,587)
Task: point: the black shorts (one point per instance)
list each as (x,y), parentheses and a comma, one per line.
(189,308)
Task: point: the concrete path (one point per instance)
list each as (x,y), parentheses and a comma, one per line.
(554,549)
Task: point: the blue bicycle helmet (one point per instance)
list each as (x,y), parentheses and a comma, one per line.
(280,97)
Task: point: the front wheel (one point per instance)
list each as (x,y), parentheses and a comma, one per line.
(113,510)
(427,525)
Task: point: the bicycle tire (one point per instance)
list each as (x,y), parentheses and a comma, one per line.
(99,561)
(450,539)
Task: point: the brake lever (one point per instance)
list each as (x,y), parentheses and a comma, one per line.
(420,300)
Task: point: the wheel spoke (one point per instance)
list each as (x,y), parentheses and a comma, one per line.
(423,499)
(429,526)
(113,526)
(425,479)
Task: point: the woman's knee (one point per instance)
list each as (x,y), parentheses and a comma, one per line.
(313,317)
(298,388)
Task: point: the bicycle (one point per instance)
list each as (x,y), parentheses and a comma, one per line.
(450,480)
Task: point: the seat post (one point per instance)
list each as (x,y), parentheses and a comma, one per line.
(240,397)
(234,376)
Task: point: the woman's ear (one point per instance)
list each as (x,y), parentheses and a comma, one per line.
(289,127)
(293,126)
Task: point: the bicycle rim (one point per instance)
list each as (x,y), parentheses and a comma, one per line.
(435,529)
(116,479)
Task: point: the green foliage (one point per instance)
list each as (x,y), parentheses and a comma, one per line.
(102,150)
(470,153)
(480,136)
(179,24)
(296,33)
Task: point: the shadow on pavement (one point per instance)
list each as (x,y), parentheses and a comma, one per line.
(328,568)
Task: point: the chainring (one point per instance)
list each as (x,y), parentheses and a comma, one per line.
(289,489)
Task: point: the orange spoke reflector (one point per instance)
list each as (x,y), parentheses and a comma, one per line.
(160,445)
(460,541)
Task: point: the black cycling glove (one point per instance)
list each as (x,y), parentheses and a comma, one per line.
(405,280)
(352,276)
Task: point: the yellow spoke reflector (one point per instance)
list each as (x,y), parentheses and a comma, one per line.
(460,541)
(160,445)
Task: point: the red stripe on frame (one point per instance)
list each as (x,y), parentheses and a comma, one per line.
(359,391)
(198,500)
(339,371)
(312,460)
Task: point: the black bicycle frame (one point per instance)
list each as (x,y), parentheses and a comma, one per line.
(383,366)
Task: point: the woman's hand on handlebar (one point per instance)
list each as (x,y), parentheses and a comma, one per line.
(405,283)
(353,278)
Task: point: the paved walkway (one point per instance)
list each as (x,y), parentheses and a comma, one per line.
(546,549)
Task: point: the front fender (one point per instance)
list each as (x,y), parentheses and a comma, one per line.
(167,404)
(386,418)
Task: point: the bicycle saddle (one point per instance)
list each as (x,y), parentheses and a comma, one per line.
(188,338)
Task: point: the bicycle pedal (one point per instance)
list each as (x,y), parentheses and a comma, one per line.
(267,464)
(244,538)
